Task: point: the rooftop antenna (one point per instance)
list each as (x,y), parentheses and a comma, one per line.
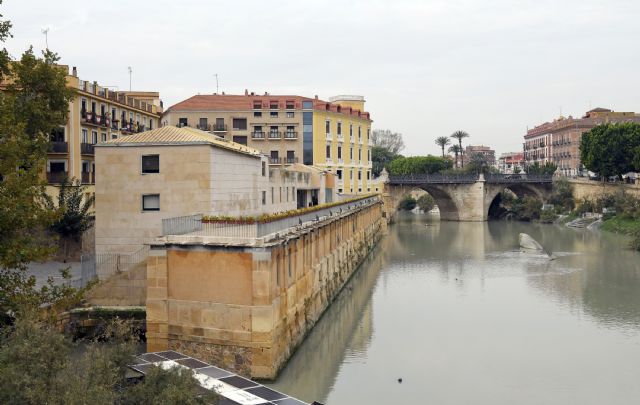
(130,71)
(45,31)
(216,75)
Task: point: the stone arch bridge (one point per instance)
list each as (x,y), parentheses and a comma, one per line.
(465,197)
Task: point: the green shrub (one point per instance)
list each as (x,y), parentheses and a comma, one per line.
(426,202)
(635,240)
(418,165)
(407,204)
(547,217)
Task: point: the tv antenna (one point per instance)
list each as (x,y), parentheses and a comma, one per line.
(130,71)
(216,76)
(45,31)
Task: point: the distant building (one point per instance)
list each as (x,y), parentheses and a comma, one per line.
(173,172)
(511,162)
(96,114)
(333,134)
(488,153)
(559,141)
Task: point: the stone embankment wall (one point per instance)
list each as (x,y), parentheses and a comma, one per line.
(247,308)
(592,190)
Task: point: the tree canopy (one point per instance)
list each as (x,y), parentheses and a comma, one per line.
(419,165)
(548,168)
(611,149)
(380,158)
(388,140)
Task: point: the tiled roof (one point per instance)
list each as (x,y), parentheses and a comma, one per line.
(231,102)
(170,135)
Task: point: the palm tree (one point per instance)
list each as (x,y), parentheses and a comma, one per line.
(443,141)
(455,149)
(459,135)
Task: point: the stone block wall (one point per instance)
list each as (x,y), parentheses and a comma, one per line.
(248,308)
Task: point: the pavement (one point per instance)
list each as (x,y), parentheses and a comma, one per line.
(42,272)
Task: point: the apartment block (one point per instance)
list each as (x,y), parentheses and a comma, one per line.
(96,114)
(331,135)
(488,153)
(511,162)
(559,141)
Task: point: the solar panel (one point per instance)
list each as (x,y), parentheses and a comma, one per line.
(233,389)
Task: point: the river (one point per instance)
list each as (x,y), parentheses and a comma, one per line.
(462,317)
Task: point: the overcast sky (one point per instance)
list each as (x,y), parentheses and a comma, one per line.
(426,68)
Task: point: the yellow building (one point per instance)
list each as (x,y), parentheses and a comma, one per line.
(341,132)
(331,135)
(96,114)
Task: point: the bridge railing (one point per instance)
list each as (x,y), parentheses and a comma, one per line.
(518,178)
(435,178)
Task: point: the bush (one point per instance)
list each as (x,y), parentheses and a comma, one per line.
(547,217)
(418,165)
(407,204)
(562,195)
(527,208)
(426,202)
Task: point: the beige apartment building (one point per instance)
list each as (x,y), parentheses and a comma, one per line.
(332,135)
(488,153)
(96,114)
(172,172)
(559,141)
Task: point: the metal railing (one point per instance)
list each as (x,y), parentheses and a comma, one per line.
(56,177)
(518,178)
(257,135)
(432,179)
(107,264)
(290,135)
(193,225)
(87,148)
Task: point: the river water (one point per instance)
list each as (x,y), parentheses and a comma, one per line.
(457,312)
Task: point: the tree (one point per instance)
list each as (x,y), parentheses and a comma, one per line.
(380,158)
(456,150)
(74,215)
(549,168)
(443,141)
(478,163)
(391,141)
(611,149)
(426,202)
(418,165)
(33,101)
(407,203)
(459,135)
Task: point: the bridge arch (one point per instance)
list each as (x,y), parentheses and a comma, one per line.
(493,193)
(443,199)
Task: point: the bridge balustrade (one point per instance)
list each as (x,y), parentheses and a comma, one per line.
(518,178)
(435,178)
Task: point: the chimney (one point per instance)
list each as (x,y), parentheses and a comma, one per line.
(223,93)
(316,96)
(246,92)
(74,72)
(266,94)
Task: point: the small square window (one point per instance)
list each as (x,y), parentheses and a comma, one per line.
(290,114)
(150,164)
(151,202)
(257,113)
(273,114)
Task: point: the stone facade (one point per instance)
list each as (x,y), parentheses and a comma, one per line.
(247,308)
(592,190)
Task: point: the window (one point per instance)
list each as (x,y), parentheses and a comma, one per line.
(272,200)
(339,173)
(290,114)
(351,176)
(339,152)
(240,139)
(264,169)
(151,202)
(203,124)
(183,122)
(289,261)
(273,114)
(339,128)
(85,136)
(150,164)
(351,153)
(328,151)
(307,105)
(264,196)
(290,105)
(240,123)
(286,192)
(291,156)
(257,113)
(94,137)
(359,175)
(327,126)
(257,105)
(273,105)
(114,136)
(368,175)
(103,137)
(359,154)
(351,130)
(57,135)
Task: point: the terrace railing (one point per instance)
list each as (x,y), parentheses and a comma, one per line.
(194,225)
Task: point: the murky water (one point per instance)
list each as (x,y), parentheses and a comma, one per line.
(457,312)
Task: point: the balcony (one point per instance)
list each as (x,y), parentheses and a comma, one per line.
(275,160)
(56,177)
(58,147)
(275,135)
(340,137)
(290,160)
(351,139)
(257,135)
(91,118)
(329,136)
(219,127)
(329,161)
(340,161)
(290,135)
(360,141)
(86,149)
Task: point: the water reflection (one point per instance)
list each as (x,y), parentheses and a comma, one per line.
(464,317)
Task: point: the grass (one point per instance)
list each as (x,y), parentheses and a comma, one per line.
(621,224)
